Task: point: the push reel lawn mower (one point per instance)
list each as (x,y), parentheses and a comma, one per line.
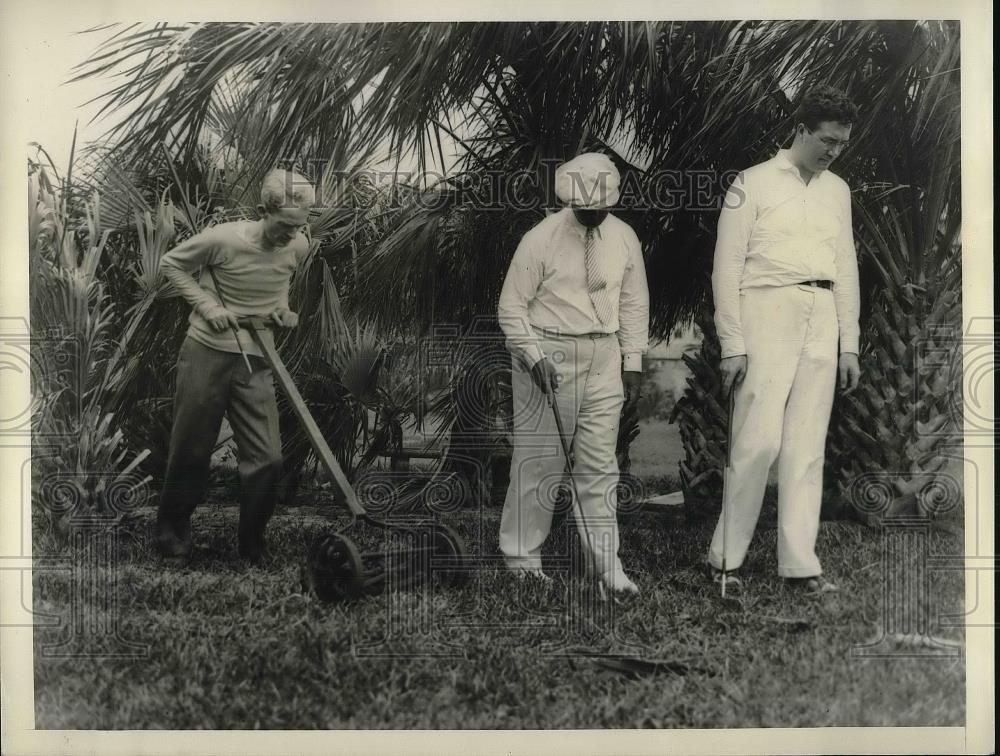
(336,569)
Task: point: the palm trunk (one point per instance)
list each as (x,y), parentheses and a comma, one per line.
(479,400)
(701,415)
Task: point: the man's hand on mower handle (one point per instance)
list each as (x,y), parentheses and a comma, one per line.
(545,376)
(285,318)
(220,319)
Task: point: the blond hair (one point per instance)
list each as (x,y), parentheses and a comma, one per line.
(283,188)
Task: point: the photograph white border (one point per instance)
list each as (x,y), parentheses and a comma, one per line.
(23,36)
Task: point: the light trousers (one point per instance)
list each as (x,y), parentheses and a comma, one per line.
(782,410)
(589,399)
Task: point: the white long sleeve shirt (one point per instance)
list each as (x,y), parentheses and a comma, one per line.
(546,287)
(776,230)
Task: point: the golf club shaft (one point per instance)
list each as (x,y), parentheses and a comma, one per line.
(725,479)
(575,495)
(234,329)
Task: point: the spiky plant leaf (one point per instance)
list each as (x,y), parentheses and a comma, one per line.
(913,339)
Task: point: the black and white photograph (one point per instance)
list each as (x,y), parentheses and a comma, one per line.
(533,379)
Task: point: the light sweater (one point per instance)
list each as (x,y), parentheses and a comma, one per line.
(254,281)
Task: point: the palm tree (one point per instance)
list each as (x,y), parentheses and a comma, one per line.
(893,438)
(700,99)
(514,98)
(889,440)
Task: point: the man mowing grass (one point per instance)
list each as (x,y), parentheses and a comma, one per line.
(220,370)
(785,284)
(575,310)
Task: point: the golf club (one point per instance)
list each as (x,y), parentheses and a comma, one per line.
(725,478)
(577,507)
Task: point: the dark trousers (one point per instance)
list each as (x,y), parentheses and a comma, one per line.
(211,383)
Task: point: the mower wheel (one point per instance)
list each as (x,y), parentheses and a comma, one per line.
(336,571)
(450,557)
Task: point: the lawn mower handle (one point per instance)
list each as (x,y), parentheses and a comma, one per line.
(255,323)
(323,452)
(236,333)
(335,567)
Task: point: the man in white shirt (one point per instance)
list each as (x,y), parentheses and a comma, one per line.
(575,311)
(785,284)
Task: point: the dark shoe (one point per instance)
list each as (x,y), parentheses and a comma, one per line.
(715,575)
(811,585)
(255,552)
(172,541)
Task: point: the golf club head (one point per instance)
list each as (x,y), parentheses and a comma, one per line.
(730,603)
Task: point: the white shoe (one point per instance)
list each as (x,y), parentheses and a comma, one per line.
(619,582)
(530,573)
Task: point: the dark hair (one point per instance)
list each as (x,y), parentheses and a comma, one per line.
(824,103)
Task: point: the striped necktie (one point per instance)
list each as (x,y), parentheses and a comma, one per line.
(597,286)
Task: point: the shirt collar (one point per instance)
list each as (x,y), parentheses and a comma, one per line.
(572,224)
(784,162)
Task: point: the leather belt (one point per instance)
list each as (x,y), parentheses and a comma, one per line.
(559,335)
(820,284)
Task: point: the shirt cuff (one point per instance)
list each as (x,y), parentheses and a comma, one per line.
(633,362)
(532,354)
(849,344)
(209,311)
(733,348)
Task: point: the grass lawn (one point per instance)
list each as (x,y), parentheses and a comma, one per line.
(228,646)
(657,447)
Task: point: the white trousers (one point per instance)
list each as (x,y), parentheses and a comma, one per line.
(782,410)
(590,400)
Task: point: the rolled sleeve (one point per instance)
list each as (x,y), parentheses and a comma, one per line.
(633,308)
(733,239)
(846,292)
(519,287)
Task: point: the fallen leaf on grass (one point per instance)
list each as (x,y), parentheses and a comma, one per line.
(734,691)
(635,667)
(796,624)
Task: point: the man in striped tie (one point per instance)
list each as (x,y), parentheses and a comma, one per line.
(575,312)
